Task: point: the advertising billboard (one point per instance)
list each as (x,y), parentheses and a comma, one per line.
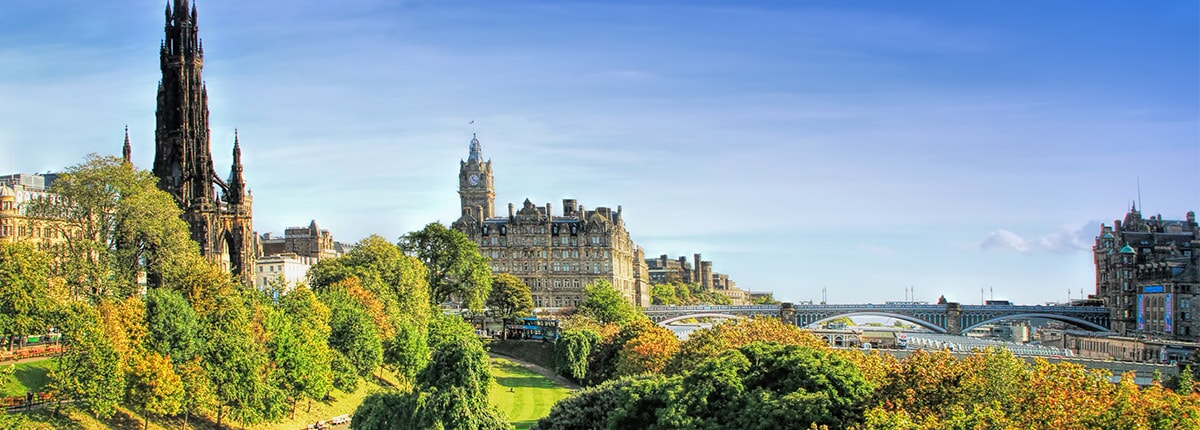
(1141,314)
(1168,325)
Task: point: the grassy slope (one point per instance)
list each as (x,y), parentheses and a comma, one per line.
(531,397)
(28,376)
(75,419)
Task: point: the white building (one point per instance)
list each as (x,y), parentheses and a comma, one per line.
(290,267)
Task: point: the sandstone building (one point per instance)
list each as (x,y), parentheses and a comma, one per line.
(309,241)
(221,224)
(557,255)
(1148,275)
(664,270)
(287,267)
(15,226)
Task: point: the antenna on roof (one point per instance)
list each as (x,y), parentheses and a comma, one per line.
(1139,190)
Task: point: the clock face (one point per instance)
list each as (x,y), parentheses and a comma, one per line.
(474,179)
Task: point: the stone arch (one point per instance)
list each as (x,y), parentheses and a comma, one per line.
(908,318)
(699,315)
(1067,319)
(225,254)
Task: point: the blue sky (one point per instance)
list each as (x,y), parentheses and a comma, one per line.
(863,147)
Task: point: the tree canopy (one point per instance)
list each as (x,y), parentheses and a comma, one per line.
(456,269)
(509,297)
(25,300)
(115,225)
(605,304)
(758,386)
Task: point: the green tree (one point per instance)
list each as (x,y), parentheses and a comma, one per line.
(353,334)
(25,302)
(757,387)
(456,270)
(197,389)
(171,324)
(1186,384)
(398,280)
(153,387)
(447,328)
(510,297)
(605,304)
(237,364)
(732,334)
(768,299)
(310,374)
(571,352)
(407,351)
(626,403)
(89,371)
(663,294)
(602,364)
(648,352)
(115,225)
(451,394)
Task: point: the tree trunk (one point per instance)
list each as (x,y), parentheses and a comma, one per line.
(220,409)
(186,412)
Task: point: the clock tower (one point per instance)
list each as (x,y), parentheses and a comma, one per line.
(475,187)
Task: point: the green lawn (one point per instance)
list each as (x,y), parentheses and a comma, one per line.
(531,397)
(28,376)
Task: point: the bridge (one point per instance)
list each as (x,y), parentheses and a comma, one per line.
(951,318)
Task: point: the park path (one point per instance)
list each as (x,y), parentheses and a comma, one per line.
(539,370)
(25,360)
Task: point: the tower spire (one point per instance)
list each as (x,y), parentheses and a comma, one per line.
(476,154)
(127,150)
(237,184)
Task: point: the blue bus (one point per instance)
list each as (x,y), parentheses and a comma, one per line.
(532,328)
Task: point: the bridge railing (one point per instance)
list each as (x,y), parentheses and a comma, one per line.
(664,308)
(1039,308)
(870,306)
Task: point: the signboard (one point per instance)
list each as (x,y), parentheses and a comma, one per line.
(1152,289)
(1167,321)
(1141,317)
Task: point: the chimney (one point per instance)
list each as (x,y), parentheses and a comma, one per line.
(511,211)
(549,213)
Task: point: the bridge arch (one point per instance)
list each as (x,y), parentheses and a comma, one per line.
(1067,319)
(700,315)
(911,319)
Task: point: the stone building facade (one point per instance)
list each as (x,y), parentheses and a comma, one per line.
(308,241)
(557,255)
(1148,275)
(663,270)
(289,267)
(15,225)
(221,224)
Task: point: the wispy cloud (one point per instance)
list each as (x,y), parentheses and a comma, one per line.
(1066,240)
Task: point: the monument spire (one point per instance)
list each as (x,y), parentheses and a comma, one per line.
(127,150)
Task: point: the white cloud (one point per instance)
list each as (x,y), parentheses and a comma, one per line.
(1065,241)
(1004,240)
(1070,240)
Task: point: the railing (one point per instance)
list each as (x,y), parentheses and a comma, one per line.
(18,402)
(31,352)
(667,308)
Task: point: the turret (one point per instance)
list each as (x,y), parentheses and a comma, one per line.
(237,184)
(127,150)
(476,151)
